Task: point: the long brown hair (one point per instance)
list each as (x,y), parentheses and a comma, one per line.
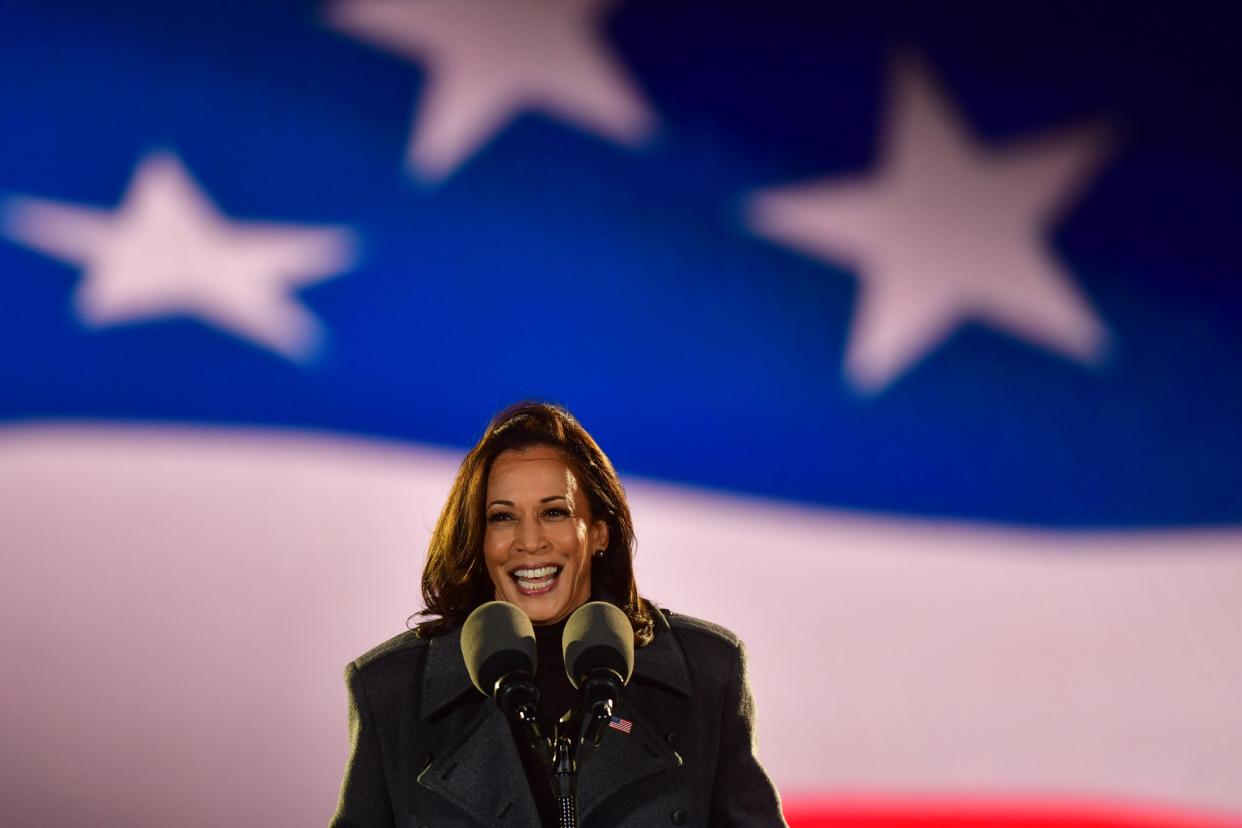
(455,580)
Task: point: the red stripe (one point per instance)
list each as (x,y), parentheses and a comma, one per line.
(812,812)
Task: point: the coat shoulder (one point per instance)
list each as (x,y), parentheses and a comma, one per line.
(680,622)
(707,637)
(407,643)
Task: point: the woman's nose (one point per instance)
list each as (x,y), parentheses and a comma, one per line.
(530,535)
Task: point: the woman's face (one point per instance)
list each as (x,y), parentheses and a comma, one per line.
(539,536)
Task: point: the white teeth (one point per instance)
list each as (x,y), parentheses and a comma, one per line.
(533,574)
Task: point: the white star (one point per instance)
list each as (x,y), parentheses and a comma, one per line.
(946,232)
(488,60)
(166,250)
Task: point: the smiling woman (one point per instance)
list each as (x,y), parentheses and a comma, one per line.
(537,517)
(540,533)
(523,494)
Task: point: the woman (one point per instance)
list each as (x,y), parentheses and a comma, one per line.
(537,517)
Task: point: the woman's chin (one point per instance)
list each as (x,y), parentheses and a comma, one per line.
(541,611)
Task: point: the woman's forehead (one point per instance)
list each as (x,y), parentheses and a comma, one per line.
(535,467)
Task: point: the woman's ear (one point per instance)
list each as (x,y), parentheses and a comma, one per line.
(599,536)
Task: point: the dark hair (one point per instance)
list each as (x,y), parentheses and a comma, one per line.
(455,579)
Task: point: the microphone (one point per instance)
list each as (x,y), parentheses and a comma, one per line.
(498,644)
(598,645)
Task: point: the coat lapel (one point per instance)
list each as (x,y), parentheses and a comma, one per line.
(624,758)
(476,766)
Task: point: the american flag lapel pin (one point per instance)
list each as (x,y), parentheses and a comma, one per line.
(620,724)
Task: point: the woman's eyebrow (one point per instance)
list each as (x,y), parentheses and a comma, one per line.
(541,500)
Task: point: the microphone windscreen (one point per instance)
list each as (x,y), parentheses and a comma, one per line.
(497,639)
(598,635)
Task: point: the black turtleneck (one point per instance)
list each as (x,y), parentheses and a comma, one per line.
(557,696)
(557,693)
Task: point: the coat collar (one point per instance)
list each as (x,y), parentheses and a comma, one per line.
(662,661)
(445,678)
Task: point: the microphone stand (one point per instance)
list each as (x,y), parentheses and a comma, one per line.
(564,772)
(559,753)
(598,693)
(518,697)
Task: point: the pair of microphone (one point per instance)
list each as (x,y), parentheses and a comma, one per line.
(498,643)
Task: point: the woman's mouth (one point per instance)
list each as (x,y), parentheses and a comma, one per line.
(536,580)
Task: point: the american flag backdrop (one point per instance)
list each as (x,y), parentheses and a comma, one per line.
(913,329)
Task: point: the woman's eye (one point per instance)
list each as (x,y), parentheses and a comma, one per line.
(556,512)
(497,517)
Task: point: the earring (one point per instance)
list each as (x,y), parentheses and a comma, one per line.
(599,553)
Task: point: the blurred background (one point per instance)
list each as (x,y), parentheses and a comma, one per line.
(913,329)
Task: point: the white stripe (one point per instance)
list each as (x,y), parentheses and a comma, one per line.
(178,605)
(916,656)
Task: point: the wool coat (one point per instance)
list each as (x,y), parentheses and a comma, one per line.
(428,749)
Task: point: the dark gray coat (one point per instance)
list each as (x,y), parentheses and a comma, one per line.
(429,750)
